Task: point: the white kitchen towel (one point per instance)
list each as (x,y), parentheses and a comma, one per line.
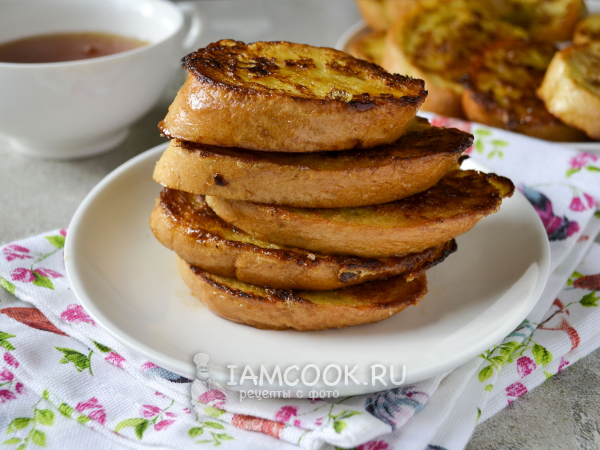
(65,383)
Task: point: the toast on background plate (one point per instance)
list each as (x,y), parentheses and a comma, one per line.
(500,87)
(545,20)
(587,30)
(436,41)
(369,45)
(285,97)
(380,14)
(571,87)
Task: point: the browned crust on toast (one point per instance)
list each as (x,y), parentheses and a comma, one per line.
(279,96)
(267,308)
(450,208)
(414,163)
(184,223)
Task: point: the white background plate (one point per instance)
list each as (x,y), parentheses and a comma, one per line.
(129,284)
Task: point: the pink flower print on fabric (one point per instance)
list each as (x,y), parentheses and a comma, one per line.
(591,201)
(14,251)
(11,360)
(563,363)
(116,359)
(76,314)
(515,390)
(63,232)
(92,403)
(6,395)
(374,445)
(577,205)
(22,274)
(214,397)
(163,424)
(98,414)
(525,365)
(150,411)
(49,273)
(286,413)
(581,160)
(6,375)
(19,387)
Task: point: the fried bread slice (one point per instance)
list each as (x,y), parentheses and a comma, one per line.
(450,208)
(184,223)
(285,97)
(587,30)
(380,14)
(545,20)
(268,308)
(571,87)
(500,90)
(414,163)
(368,45)
(436,41)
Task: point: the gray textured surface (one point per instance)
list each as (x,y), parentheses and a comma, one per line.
(36,195)
(562,413)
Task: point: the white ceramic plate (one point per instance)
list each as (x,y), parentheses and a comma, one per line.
(129,284)
(359,28)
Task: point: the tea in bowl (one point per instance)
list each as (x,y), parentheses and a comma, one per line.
(75,74)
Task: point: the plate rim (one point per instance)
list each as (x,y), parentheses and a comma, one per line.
(187,369)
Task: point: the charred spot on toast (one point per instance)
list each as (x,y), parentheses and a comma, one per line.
(264,68)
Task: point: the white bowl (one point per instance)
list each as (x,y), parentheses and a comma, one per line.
(80,108)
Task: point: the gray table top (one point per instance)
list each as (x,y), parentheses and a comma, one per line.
(38,195)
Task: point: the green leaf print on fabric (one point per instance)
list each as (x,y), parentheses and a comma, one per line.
(58,241)
(590,300)
(4,341)
(213,412)
(541,355)
(80,361)
(7,285)
(210,436)
(139,425)
(102,348)
(483,143)
(65,410)
(42,281)
(43,417)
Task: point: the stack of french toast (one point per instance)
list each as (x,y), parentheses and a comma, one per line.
(495,62)
(302,191)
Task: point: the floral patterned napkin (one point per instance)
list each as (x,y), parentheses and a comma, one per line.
(65,383)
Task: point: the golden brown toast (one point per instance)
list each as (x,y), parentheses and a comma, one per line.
(184,223)
(368,45)
(500,90)
(571,87)
(435,42)
(380,14)
(268,308)
(587,30)
(545,20)
(279,96)
(414,163)
(450,208)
